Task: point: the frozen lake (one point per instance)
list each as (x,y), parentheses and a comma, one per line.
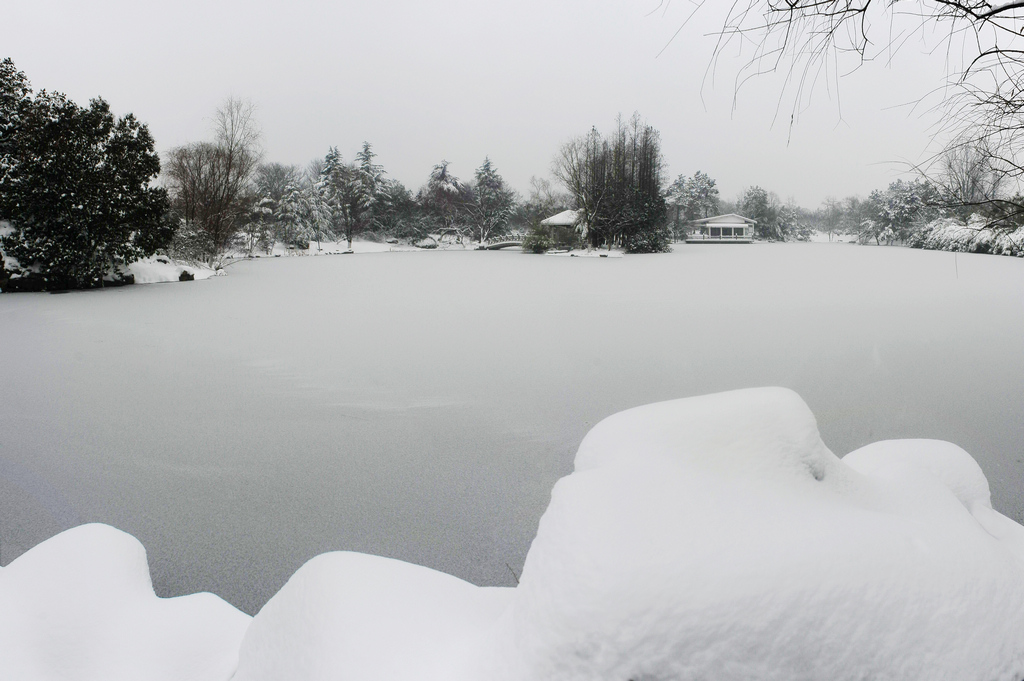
(421,405)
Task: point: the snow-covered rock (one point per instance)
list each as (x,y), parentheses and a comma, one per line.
(80,607)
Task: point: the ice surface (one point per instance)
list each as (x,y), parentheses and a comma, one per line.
(703,538)
(80,607)
(711,537)
(421,405)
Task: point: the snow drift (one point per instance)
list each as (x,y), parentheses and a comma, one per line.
(717,537)
(80,607)
(705,538)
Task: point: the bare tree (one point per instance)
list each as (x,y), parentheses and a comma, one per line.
(831,214)
(210,183)
(580,165)
(982,97)
(969,177)
(616,184)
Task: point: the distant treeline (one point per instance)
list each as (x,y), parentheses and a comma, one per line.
(82,195)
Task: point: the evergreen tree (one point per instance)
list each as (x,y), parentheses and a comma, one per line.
(675,198)
(75,185)
(700,198)
(371,175)
(493,202)
(894,214)
(348,191)
(394,210)
(762,206)
(444,198)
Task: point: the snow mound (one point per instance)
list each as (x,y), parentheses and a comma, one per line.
(717,537)
(80,607)
(350,615)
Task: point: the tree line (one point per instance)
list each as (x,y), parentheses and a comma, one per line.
(82,195)
(222,197)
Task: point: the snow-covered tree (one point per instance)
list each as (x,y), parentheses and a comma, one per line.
(394,209)
(371,179)
(351,191)
(674,198)
(700,197)
(692,198)
(493,202)
(444,198)
(273,181)
(763,206)
(895,213)
(341,196)
(75,186)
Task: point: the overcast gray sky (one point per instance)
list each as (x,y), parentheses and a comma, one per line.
(460,79)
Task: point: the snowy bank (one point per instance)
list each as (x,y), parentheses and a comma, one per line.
(80,607)
(159,269)
(949,234)
(713,537)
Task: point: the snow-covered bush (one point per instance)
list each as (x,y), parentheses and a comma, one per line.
(950,234)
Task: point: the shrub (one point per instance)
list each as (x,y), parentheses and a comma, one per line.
(657,240)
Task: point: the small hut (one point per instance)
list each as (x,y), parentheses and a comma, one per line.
(567,218)
(720,229)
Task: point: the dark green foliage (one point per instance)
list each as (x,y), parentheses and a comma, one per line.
(760,205)
(646,229)
(538,240)
(75,186)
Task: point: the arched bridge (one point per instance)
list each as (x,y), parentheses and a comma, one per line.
(503,241)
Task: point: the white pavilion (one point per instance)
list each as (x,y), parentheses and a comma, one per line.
(731,228)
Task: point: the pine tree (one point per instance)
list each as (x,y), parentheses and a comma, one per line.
(348,191)
(700,197)
(493,202)
(444,198)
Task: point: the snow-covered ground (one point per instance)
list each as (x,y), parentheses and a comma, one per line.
(712,537)
(159,269)
(421,405)
(823,238)
(334,248)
